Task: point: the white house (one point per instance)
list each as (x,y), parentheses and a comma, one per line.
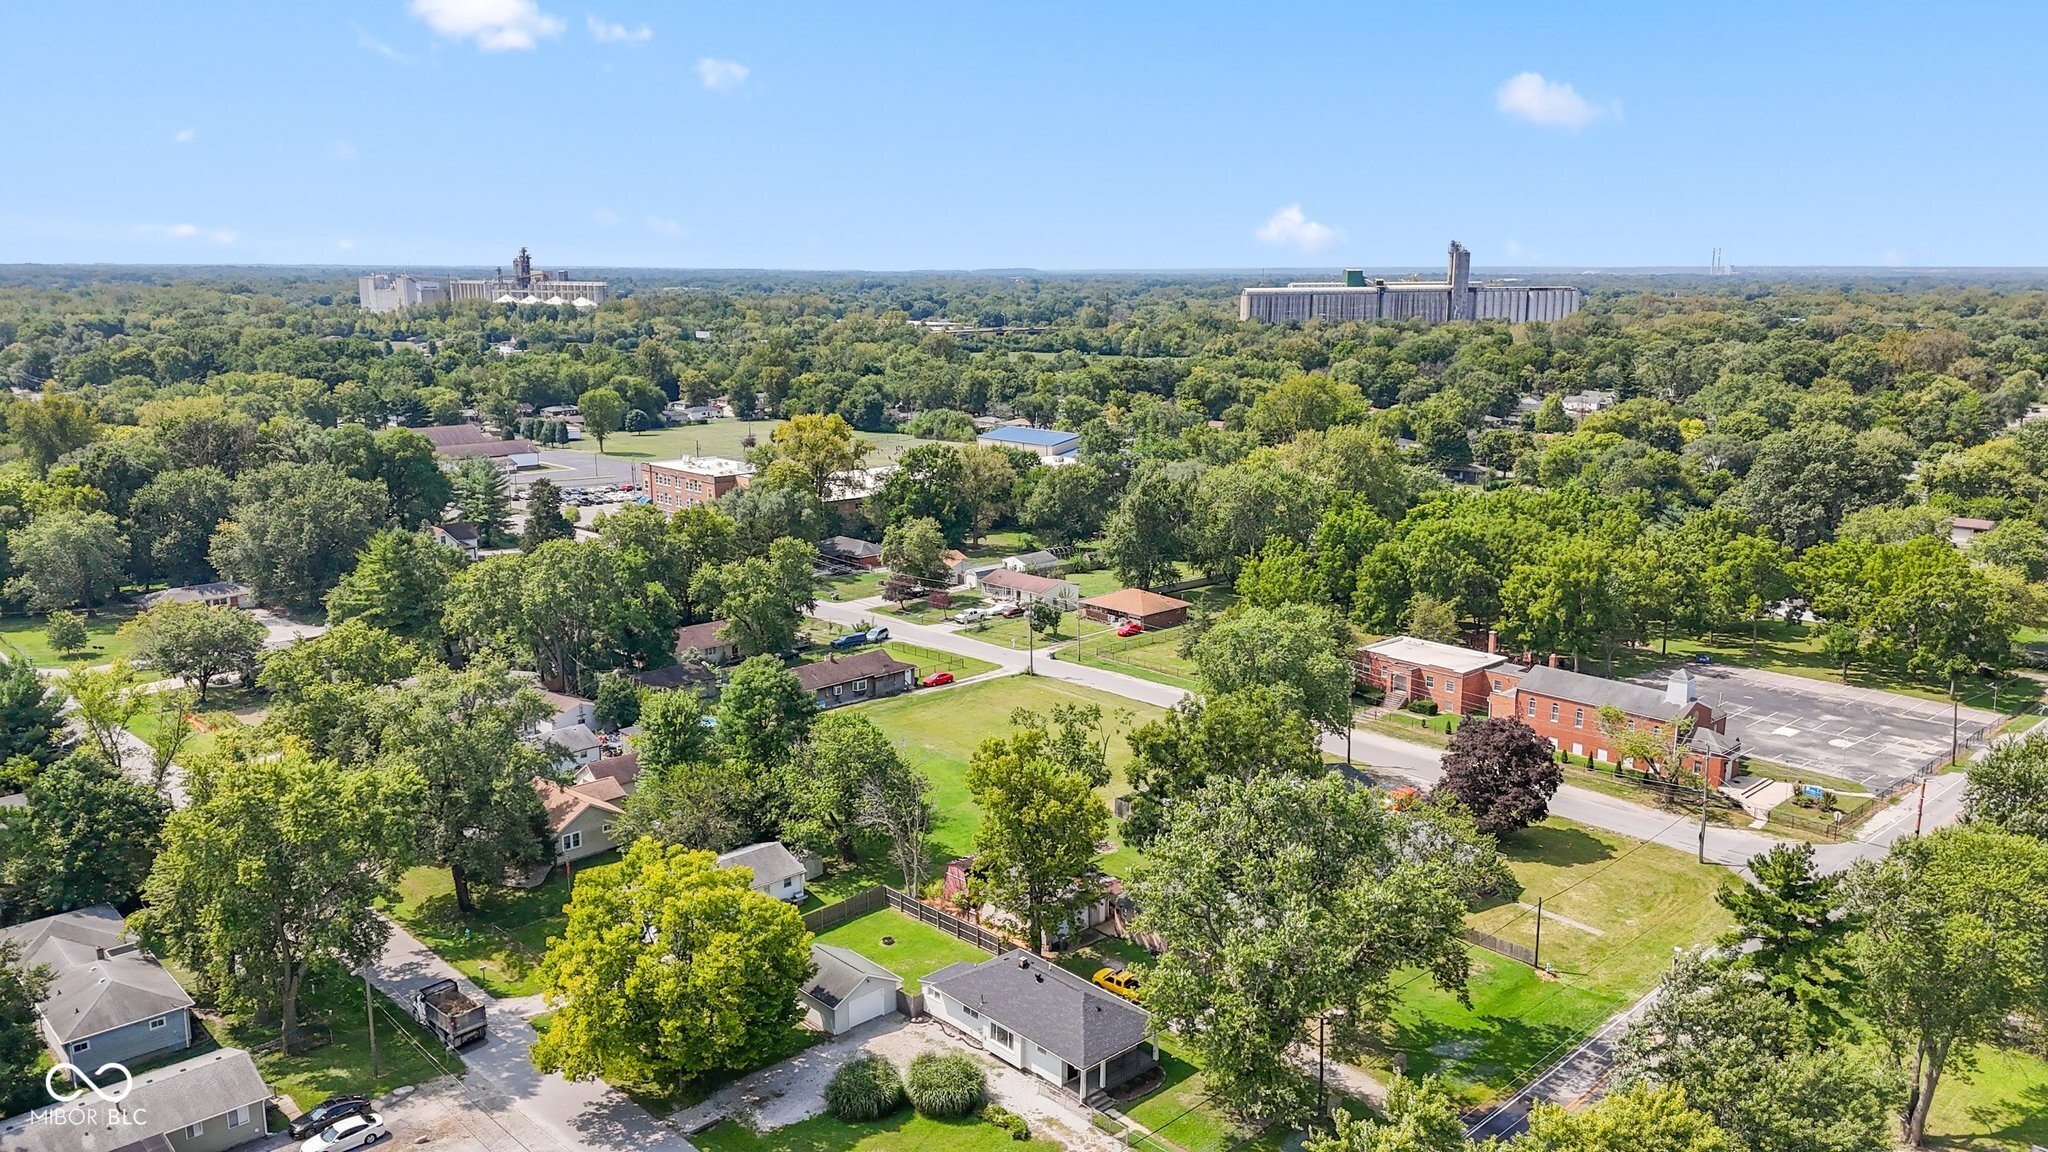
(1005,585)
(848,991)
(777,871)
(1036,1016)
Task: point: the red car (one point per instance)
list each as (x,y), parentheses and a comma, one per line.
(936,679)
(1129,628)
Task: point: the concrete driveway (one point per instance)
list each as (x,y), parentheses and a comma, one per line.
(794,1090)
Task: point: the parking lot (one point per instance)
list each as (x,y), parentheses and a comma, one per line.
(1877,738)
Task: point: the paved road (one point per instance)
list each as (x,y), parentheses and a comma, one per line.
(587,1115)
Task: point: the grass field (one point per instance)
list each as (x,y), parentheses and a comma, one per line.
(1794,649)
(2002,1105)
(336,1053)
(855,587)
(1614,908)
(210,722)
(939,731)
(1180,1112)
(902,1132)
(918,949)
(22,636)
(501,944)
(721,438)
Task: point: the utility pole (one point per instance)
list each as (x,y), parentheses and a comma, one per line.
(370,1018)
(1030,646)
(1705,792)
(1539,933)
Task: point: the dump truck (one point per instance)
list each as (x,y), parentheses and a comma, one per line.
(443,1009)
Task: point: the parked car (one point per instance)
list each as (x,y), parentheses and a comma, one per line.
(350,1132)
(1010,611)
(1129,628)
(1702,658)
(850,640)
(327,1112)
(877,634)
(1124,984)
(968,616)
(936,679)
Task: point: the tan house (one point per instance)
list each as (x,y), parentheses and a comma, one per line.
(1007,586)
(579,821)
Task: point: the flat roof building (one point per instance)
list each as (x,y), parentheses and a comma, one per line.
(393,292)
(1456,297)
(687,481)
(1042,442)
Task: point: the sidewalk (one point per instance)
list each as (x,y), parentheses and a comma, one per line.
(573,1115)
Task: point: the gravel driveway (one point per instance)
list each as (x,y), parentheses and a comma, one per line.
(794,1090)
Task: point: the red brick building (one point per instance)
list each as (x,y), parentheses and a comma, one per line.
(1564,708)
(1405,668)
(673,485)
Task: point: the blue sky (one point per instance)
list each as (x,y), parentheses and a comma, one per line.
(1057,136)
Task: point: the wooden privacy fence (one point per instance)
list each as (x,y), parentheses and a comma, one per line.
(882,896)
(1507,948)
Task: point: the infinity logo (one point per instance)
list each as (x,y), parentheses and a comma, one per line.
(111,1095)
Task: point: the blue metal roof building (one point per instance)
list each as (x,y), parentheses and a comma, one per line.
(1042,441)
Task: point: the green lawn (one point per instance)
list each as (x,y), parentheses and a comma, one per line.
(1180,1112)
(23,636)
(501,944)
(917,951)
(210,722)
(335,1055)
(1151,655)
(938,732)
(903,1132)
(930,660)
(1614,909)
(924,612)
(855,587)
(2002,1105)
(1794,649)
(1431,730)
(721,438)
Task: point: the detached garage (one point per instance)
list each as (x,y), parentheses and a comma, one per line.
(848,991)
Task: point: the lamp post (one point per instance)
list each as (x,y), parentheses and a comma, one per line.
(1322,1057)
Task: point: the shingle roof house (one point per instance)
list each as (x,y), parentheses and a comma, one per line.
(208,1103)
(108,999)
(777,871)
(867,675)
(1036,1016)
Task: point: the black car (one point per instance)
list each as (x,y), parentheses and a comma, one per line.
(327,1112)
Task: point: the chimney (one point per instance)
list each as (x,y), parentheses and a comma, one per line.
(1492,642)
(1680,690)
(1553,659)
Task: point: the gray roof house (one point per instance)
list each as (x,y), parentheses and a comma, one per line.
(777,871)
(108,999)
(206,1104)
(1036,1016)
(849,990)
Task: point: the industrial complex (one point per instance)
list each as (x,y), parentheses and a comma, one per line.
(389,292)
(1359,297)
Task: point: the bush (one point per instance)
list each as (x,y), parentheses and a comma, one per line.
(945,1086)
(1007,1120)
(1422,707)
(865,1088)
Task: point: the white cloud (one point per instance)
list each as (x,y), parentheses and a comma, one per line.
(369,43)
(721,75)
(344,244)
(605,216)
(1291,227)
(609,33)
(664,225)
(495,25)
(186,232)
(1549,103)
(185,135)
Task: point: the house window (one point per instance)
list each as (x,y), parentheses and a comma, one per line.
(970,1013)
(194,1131)
(1553,711)
(1532,708)
(159,1022)
(787,884)
(571,841)
(81,1046)
(860,686)
(238,1117)
(1429,682)
(1578,717)
(1496,683)
(1001,1035)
